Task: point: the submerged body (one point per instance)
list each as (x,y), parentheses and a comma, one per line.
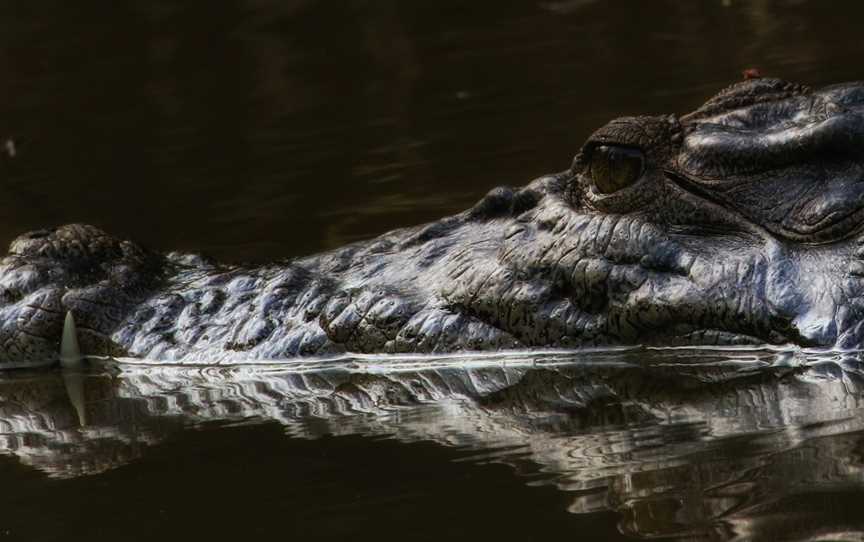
(739,223)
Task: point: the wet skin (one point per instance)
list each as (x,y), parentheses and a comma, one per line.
(739,223)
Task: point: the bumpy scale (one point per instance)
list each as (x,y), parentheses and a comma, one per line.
(739,223)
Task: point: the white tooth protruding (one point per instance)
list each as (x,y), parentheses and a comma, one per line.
(70,353)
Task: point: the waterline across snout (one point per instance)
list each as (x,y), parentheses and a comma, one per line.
(731,362)
(743,359)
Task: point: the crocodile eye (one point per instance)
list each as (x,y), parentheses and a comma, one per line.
(613,168)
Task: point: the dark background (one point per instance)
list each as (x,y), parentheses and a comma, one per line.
(264,128)
(255,129)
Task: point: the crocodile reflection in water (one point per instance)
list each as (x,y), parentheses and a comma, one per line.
(676,442)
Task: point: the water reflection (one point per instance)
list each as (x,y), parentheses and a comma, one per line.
(697,443)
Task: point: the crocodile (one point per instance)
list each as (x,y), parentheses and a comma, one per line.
(739,223)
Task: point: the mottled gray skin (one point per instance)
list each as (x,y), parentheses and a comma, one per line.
(742,227)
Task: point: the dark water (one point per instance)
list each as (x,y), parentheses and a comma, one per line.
(744,444)
(259,129)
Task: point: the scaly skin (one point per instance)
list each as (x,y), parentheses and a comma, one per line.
(738,223)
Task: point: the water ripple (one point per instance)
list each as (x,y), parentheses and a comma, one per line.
(630,430)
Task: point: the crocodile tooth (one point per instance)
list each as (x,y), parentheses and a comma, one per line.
(70,353)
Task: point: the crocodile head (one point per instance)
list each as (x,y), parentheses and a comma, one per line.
(739,223)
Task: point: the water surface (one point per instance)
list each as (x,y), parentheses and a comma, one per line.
(687,444)
(259,129)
